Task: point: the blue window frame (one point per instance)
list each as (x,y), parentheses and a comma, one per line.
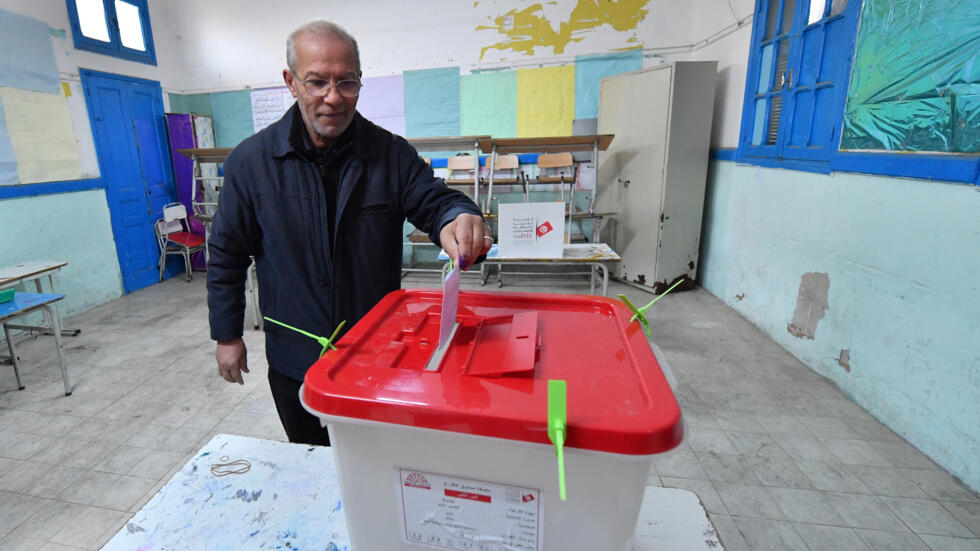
(800,60)
(120,28)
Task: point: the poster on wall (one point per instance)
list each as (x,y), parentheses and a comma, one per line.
(269,105)
(532,230)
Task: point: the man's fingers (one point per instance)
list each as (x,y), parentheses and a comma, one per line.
(464,240)
(448,239)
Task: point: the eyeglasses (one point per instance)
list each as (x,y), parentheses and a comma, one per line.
(320,87)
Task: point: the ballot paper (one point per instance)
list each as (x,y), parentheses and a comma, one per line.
(450,297)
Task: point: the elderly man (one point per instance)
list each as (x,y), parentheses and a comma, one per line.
(319,199)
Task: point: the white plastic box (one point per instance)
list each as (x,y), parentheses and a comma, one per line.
(459,458)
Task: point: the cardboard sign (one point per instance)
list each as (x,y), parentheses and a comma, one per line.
(532,230)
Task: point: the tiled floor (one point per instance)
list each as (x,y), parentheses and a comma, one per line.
(780,458)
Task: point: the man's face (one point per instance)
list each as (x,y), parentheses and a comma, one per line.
(323,58)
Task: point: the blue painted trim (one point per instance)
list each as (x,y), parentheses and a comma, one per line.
(949,168)
(48,188)
(117,76)
(522,158)
(114,48)
(723,154)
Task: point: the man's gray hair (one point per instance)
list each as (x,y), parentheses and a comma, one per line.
(322,28)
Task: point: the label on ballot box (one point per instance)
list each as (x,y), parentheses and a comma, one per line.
(532,230)
(468,515)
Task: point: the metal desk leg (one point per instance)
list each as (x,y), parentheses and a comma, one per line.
(592,270)
(605,280)
(64,332)
(54,320)
(13,355)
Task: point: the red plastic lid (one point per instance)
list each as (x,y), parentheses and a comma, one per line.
(493,380)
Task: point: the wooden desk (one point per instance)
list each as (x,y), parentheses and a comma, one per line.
(25,303)
(455,143)
(34,271)
(290,499)
(591,142)
(594,255)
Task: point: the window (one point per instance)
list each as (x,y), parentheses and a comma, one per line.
(119,28)
(912,95)
(798,71)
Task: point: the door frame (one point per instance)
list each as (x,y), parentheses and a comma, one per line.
(86,74)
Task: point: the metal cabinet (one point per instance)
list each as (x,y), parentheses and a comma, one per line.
(654,172)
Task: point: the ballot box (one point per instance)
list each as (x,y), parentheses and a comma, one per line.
(448,447)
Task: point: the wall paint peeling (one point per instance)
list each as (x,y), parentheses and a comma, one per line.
(530,28)
(905,300)
(811,304)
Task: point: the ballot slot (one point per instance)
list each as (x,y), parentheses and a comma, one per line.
(485,346)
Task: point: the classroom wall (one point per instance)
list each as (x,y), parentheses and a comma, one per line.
(75,226)
(900,257)
(64,226)
(249,50)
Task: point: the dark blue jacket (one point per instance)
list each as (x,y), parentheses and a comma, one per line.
(273,207)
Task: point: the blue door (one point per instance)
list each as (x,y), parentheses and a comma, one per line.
(130,135)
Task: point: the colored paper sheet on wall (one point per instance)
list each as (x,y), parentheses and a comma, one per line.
(232,117)
(913,85)
(8,161)
(545,101)
(382,101)
(198,104)
(26,54)
(432,102)
(589,70)
(488,104)
(41,134)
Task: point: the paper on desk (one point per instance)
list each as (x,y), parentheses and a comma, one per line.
(450,297)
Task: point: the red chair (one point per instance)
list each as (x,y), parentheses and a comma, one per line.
(174,237)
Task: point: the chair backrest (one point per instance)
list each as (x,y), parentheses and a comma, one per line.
(460,167)
(160,230)
(506,162)
(555,160)
(556,165)
(174,218)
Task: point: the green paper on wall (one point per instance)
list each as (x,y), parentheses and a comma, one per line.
(432,102)
(488,104)
(232,115)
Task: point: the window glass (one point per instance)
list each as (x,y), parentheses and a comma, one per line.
(837,6)
(772,12)
(817,8)
(789,10)
(91,18)
(130,27)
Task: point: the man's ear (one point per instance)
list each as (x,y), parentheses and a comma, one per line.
(290,83)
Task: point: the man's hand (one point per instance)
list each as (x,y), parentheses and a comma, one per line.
(231,360)
(466,238)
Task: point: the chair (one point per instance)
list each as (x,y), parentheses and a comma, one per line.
(558,168)
(174,237)
(506,171)
(461,171)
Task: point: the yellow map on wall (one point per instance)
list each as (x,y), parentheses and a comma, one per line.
(529,28)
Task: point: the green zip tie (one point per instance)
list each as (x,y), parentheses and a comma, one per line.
(327,343)
(638,313)
(558,426)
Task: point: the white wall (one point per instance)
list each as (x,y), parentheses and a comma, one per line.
(247,49)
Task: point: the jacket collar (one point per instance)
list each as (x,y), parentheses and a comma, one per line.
(367,136)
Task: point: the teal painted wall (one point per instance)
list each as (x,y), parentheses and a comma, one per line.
(903,259)
(65,226)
